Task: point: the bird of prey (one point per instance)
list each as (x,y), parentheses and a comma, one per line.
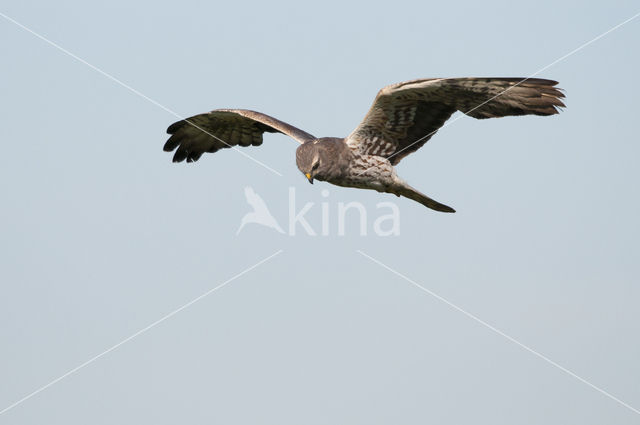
(402,119)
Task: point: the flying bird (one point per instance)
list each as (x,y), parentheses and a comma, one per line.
(403,117)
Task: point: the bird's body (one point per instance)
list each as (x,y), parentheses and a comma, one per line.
(402,118)
(350,168)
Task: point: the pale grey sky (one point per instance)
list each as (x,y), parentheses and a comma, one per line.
(102,235)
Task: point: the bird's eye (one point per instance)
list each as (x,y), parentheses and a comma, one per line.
(315,165)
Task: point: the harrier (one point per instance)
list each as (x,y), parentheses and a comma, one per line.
(402,119)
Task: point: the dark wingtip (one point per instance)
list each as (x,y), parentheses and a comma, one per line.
(175,126)
(180,156)
(542,81)
(171,144)
(193,156)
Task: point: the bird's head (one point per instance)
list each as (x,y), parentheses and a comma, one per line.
(322,158)
(309,160)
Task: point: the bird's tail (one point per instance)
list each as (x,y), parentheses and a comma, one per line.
(409,192)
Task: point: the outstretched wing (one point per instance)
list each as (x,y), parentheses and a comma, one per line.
(224,128)
(404,116)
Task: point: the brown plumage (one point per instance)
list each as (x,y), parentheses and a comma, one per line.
(403,118)
(224,128)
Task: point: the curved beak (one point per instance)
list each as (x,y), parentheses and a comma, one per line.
(308,176)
